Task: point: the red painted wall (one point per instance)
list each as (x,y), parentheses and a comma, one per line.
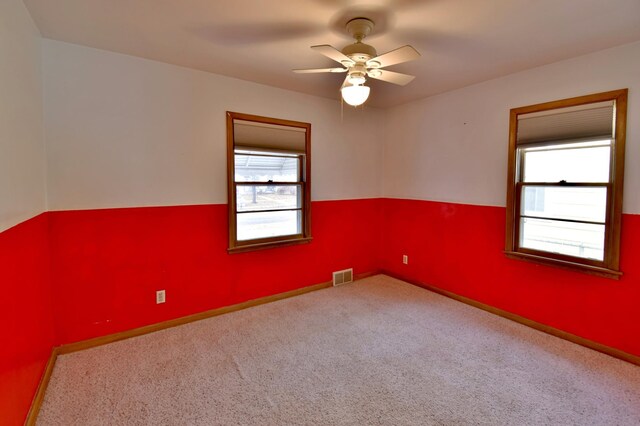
(107,264)
(459,248)
(26,318)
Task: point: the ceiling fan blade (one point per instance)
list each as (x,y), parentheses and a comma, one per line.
(391,77)
(333,53)
(313,70)
(397,56)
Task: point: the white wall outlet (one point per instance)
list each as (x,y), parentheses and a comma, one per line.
(161,297)
(405,259)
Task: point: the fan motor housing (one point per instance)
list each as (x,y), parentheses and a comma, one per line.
(360,52)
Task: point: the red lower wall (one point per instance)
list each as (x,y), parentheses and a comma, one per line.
(104,267)
(108,264)
(459,248)
(26,318)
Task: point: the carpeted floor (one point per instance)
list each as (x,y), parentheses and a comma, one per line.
(378,351)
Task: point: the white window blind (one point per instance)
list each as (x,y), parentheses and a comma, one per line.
(571,123)
(255,136)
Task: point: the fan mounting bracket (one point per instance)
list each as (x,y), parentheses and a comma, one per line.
(359,28)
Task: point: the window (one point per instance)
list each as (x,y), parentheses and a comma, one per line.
(564,195)
(269,182)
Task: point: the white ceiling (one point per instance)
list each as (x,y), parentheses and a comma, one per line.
(461,41)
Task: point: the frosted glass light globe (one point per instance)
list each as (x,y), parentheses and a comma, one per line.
(355,95)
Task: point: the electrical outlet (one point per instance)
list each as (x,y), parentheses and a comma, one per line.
(161,296)
(405,259)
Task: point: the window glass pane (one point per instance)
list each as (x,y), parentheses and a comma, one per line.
(572,239)
(255,225)
(573,203)
(263,168)
(268,197)
(560,162)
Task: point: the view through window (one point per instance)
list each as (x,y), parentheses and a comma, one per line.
(268,195)
(569,216)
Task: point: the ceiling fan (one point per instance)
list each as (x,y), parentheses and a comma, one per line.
(360,60)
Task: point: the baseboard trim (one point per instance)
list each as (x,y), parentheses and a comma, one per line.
(608,350)
(42,387)
(364,275)
(103,340)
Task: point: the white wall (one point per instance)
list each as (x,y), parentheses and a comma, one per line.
(22,164)
(123,131)
(453,147)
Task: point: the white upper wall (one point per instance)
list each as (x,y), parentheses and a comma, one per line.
(22,164)
(123,131)
(453,146)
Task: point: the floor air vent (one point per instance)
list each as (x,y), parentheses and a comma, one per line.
(342,277)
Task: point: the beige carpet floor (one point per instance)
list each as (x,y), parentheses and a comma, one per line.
(378,351)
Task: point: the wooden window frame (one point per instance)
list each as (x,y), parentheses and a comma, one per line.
(236,246)
(610,266)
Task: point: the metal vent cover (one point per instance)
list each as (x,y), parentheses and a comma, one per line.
(343,277)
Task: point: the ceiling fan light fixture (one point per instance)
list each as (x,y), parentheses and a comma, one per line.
(356,79)
(355,95)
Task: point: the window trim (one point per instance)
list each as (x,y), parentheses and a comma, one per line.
(610,266)
(236,246)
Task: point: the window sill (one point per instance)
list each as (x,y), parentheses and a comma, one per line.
(587,269)
(267,245)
